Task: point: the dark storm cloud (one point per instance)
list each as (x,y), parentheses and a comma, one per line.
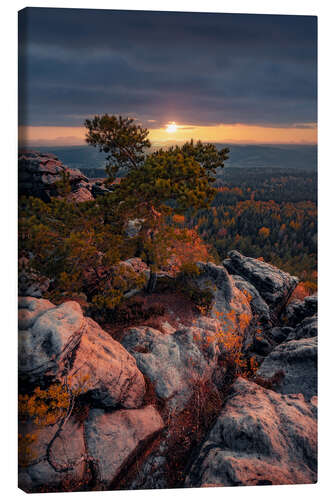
(193,68)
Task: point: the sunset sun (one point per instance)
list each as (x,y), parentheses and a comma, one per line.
(171,127)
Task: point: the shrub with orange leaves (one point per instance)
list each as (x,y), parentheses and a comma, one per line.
(46,407)
(303,289)
(232,341)
(187,247)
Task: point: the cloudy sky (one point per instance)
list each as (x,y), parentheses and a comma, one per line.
(220,77)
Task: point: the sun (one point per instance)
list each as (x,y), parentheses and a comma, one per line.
(171,127)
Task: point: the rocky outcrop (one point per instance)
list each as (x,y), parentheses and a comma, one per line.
(175,364)
(52,458)
(40,173)
(297,310)
(280,333)
(113,439)
(274,286)
(165,396)
(226,296)
(58,341)
(308,328)
(260,437)
(259,307)
(111,374)
(49,341)
(297,359)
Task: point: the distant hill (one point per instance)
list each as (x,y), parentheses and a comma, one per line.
(92,162)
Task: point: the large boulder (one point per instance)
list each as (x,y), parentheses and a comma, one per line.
(104,371)
(259,307)
(55,341)
(230,306)
(49,340)
(39,173)
(174,363)
(307,329)
(66,458)
(274,286)
(226,296)
(297,359)
(114,439)
(29,309)
(280,333)
(298,310)
(260,437)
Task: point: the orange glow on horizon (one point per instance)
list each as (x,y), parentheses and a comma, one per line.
(238,133)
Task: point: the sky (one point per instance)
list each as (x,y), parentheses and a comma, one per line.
(233,78)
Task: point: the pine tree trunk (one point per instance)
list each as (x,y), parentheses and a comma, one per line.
(151,282)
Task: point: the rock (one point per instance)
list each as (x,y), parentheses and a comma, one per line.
(259,307)
(280,334)
(176,363)
(39,173)
(67,452)
(113,439)
(30,309)
(99,189)
(133,227)
(51,338)
(262,345)
(229,306)
(260,437)
(298,360)
(58,341)
(297,310)
(137,265)
(274,286)
(80,195)
(31,284)
(307,329)
(112,375)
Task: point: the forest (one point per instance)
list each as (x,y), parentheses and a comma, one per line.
(268,213)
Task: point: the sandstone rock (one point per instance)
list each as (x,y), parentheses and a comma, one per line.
(110,373)
(80,195)
(262,345)
(176,363)
(58,341)
(114,438)
(280,334)
(39,174)
(259,307)
(275,286)
(298,360)
(30,309)
(260,437)
(297,310)
(308,328)
(133,227)
(67,456)
(230,306)
(49,340)
(99,189)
